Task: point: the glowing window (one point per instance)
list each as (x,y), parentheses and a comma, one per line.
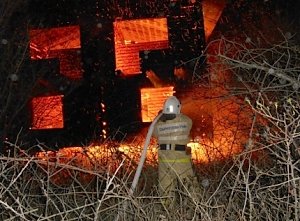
(152,100)
(62,43)
(133,36)
(47,112)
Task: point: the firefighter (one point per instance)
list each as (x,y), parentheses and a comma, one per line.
(172,131)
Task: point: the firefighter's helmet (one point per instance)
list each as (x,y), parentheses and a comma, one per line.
(172,106)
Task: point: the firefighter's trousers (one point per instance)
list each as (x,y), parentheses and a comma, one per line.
(175,171)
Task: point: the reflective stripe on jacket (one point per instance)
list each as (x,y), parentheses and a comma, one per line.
(182,160)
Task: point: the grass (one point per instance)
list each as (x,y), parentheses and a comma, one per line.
(240,189)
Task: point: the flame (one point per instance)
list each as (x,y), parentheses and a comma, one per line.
(63,43)
(226,130)
(47,112)
(198,152)
(136,35)
(152,100)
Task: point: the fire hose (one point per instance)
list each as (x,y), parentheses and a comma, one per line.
(142,160)
(143,156)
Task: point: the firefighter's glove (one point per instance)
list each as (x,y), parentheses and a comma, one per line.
(188,150)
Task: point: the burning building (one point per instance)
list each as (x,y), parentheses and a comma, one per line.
(99,55)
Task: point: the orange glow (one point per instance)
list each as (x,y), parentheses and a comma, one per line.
(133,36)
(212,11)
(62,43)
(220,126)
(154,79)
(47,112)
(102,159)
(198,152)
(200,111)
(223,120)
(96,158)
(152,100)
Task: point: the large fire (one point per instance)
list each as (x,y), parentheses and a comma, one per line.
(229,135)
(220,130)
(220,124)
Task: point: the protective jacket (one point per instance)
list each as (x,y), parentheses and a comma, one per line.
(175,131)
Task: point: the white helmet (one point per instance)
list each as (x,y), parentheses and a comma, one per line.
(172,106)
